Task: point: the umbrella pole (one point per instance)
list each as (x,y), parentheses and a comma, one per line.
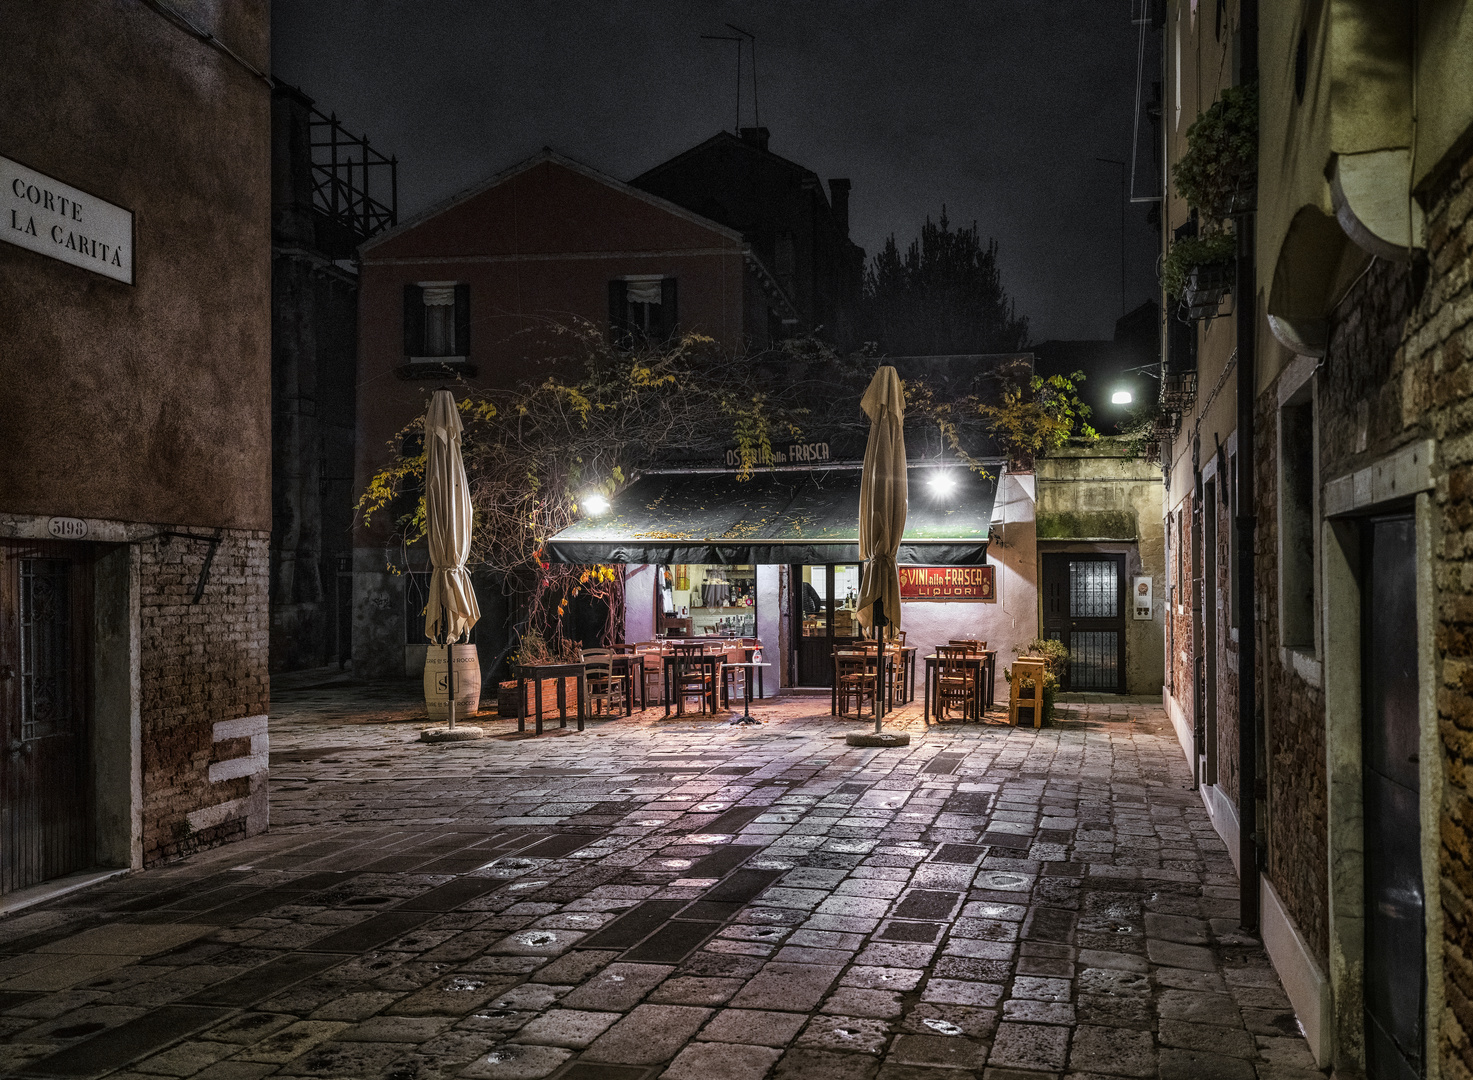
(880,625)
(449,668)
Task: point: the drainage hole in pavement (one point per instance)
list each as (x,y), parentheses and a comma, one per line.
(945,1027)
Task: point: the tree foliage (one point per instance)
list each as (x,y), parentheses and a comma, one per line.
(1037,415)
(944,296)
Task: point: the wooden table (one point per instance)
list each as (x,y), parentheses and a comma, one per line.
(550,671)
(986,664)
(747,717)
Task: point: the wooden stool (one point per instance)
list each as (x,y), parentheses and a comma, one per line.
(1031,670)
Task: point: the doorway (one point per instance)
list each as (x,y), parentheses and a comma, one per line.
(46,789)
(1395,947)
(824,616)
(1208,607)
(1084,607)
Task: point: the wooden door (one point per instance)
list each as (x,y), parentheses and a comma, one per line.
(1084,607)
(1395,926)
(46,810)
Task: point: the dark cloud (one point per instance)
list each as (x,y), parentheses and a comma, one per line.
(996,109)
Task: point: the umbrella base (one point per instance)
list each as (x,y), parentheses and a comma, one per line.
(445,734)
(884,738)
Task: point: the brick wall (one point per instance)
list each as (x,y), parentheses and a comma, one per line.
(1226,705)
(1294,750)
(1437,376)
(201,664)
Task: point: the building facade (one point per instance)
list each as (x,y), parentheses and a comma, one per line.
(1320,466)
(330,191)
(780,208)
(482,288)
(135,514)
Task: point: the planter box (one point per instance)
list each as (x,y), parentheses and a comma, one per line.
(507,703)
(1206,285)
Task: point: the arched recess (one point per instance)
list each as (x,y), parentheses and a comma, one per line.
(1316,264)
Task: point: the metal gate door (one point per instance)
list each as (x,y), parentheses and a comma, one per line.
(45,660)
(1395,985)
(1084,607)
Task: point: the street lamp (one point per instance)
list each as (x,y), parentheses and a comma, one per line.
(1121,397)
(595,504)
(943,483)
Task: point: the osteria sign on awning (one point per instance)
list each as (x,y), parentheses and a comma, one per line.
(51,218)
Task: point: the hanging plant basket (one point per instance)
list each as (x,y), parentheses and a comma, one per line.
(1218,174)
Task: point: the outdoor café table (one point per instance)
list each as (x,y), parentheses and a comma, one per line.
(747,717)
(549,671)
(985,665)
(711,661)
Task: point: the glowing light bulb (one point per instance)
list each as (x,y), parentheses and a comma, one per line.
(943,483)
(595,504)
(1121,397)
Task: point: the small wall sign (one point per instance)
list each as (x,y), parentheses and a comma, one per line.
(966,583)
(44,215)
(1142,594)
(67,528)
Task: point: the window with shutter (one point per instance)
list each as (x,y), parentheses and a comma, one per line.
(436,321)
(642,308)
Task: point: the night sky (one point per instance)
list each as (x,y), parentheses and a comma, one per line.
(996,109)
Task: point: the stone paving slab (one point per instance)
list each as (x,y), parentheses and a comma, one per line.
(672,899)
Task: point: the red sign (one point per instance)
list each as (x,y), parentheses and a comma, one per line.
(976,583)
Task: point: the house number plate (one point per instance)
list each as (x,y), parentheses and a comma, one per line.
(67,528)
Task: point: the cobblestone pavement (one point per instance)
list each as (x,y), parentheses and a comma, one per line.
(681,899)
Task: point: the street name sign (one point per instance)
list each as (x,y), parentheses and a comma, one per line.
(43,215)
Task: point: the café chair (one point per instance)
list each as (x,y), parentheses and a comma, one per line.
(652,673)
(692,677)
(854,676)
(955,679)
(603,685)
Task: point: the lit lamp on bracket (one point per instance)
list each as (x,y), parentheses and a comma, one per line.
(942,484)
(1121,397)
(594,504)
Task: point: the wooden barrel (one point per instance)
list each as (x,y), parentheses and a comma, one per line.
(467,682)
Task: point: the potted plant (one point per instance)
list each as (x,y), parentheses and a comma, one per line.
(1055,656)
(1218,177)
(1200,270)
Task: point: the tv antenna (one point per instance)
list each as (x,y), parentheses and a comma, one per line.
(742,37)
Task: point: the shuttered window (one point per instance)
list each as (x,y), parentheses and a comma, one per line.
(643,309)
(437,321)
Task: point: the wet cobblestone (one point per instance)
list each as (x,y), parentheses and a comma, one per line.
(677,899)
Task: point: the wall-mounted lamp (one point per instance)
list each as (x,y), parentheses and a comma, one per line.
(595,504)
(1121,397)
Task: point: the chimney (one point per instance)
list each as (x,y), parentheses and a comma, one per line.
(757,136)
(839,197)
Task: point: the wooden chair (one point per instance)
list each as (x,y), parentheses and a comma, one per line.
(971,645)
(1029,669)
(955,679)
(651,671)
(603,685)
(692,677)
(854,676)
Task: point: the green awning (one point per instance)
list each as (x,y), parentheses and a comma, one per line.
(779,516)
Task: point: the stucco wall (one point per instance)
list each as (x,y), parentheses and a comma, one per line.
(151,401)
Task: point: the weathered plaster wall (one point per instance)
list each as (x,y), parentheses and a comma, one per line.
(1093,497)
(149,402)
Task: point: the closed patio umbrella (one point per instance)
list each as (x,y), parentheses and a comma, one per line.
(452,608)
(882,500)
